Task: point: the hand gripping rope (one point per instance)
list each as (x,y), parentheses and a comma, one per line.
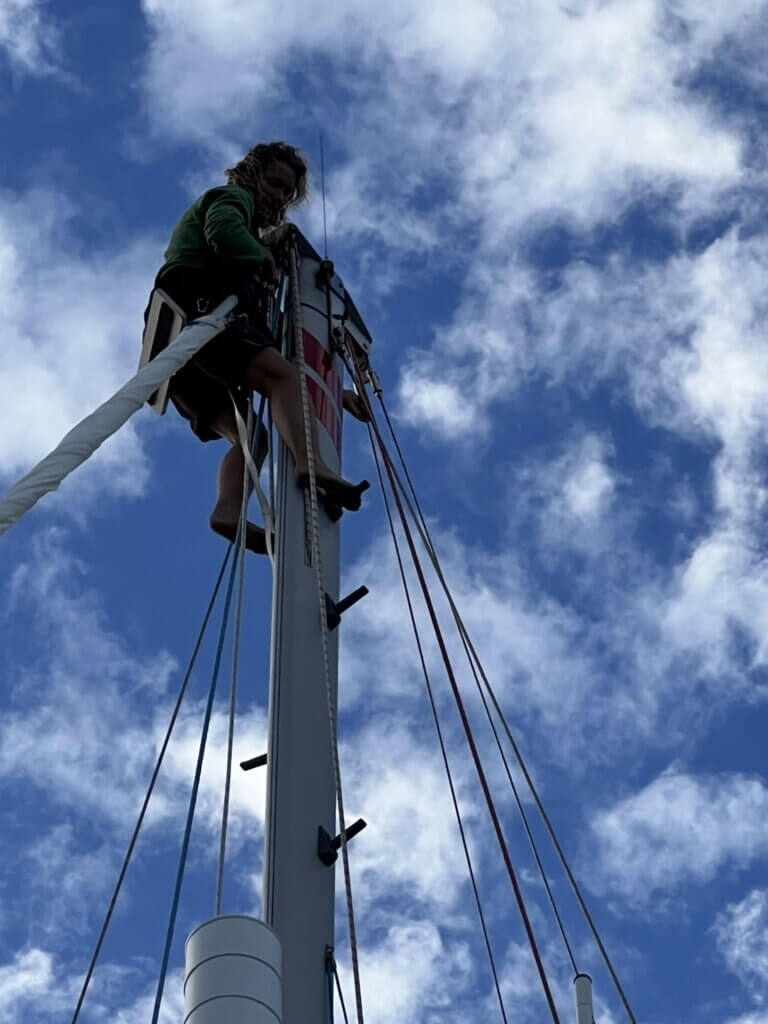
(298,338)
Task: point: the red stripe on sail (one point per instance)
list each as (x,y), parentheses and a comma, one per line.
(325,411)
(322,362)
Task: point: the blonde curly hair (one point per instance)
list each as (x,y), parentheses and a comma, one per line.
(248,172)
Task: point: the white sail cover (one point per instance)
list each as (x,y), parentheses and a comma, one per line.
(83,440)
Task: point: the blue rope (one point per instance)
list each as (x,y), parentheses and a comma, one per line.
(195,786)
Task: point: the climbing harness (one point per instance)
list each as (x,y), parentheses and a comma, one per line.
(165,321)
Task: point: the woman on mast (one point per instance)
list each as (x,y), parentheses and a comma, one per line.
(215,251)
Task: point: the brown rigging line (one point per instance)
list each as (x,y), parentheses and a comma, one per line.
(457,698)
(475,661)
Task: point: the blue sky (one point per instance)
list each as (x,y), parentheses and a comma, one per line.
(553,218)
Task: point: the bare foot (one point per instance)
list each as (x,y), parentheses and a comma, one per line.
(255,537)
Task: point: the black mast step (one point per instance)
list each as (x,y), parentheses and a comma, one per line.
(255,762)
(327,848)
(335,609)
(325,273)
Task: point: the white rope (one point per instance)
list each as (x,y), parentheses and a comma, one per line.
(253,471)
(315,531)
(83,440)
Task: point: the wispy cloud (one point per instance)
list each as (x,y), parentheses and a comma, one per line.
(72,328)
(741,932)
(29,37)
(679,830)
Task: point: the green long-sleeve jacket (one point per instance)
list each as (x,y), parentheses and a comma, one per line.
(217,234)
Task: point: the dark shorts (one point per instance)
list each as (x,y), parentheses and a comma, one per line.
(201,389)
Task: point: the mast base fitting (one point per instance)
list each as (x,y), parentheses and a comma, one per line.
(335,609)
(328,848)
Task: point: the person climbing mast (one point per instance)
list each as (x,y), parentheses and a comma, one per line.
(214,251)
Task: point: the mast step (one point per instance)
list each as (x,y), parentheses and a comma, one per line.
(335,609)
(254,762)
(327,848)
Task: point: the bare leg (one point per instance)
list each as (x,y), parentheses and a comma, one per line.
(276,378)
(229,491)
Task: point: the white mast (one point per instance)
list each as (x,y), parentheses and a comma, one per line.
(298,887)
(298,901)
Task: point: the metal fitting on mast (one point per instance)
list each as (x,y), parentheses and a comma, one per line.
(584,1010)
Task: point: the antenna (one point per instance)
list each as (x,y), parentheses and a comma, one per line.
(322,178)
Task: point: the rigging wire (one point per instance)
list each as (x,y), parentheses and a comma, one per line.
(473,668)
(315,534)
(463,715)
(235,665)
(150,790)
(469,646)
(322,178)
(341,994)
(438,727)
(195,787)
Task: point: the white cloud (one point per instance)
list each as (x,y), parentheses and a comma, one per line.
(54,881)
(54,697)
(679,829)
(683,343)
(411,972)
(568,111)
(28,36)
(34,988)
(28,976)
(72,329)
(741,931)
(535,651)
(569,499)
(401,788)
(441,404)
(139,1010)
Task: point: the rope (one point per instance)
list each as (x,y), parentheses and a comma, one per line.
(83,440)
(243,433)
(322,178)
(315,532)
(233,682)
(469,646)
(150,790)
(555,841)
(195,788)
(464,719)
(438,727)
